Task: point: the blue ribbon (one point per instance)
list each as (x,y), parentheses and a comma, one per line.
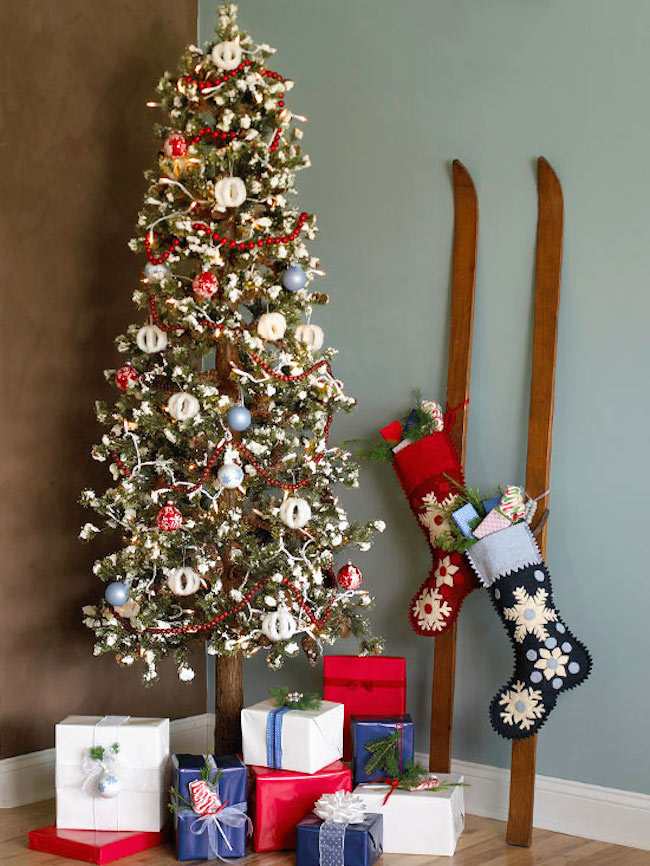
(274,722)
(331,843)
(232,816)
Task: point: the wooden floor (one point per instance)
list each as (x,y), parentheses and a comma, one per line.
(482,844)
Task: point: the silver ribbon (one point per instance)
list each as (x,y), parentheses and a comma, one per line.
(231,816)
(331,843)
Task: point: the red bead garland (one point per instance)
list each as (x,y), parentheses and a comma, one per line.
(203,627)
(208,84)
(222,241)
(216,135)
(158,260)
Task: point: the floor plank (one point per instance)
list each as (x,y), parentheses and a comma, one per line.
(482,844)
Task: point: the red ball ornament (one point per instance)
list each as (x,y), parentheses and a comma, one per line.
(349,577)
(204,285)
(125,376)
(175,145)
(169,518)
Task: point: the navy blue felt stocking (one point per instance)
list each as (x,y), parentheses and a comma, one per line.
(548,658)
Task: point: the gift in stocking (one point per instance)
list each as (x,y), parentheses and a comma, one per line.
(427,469)
(549,660)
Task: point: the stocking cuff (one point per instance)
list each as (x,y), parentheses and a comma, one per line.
(499,554)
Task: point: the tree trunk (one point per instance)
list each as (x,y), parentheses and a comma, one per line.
(229,693)
(229,700)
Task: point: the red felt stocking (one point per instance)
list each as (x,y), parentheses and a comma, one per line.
(424,468)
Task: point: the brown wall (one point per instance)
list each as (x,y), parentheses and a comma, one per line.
(76,137)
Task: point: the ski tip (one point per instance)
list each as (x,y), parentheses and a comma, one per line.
(546,173)
(461,176)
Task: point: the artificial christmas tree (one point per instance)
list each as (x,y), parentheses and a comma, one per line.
(224,478)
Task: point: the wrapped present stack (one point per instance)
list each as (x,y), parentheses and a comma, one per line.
(114,793)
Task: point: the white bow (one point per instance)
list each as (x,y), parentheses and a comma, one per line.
(342,807)
(94,768)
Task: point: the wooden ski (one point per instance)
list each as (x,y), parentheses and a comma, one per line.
(550,222)
(463,281)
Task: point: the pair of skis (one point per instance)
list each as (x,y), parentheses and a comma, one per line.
(550,221)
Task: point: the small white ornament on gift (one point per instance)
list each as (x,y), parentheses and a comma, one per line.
(271,326)
(295,512)
(229,192)
(227,55)
(183,581)
(109,785)
(279,624)
(342,807)
(151,338)
(183,406)
(311,336)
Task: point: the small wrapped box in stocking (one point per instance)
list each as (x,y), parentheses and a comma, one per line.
(430,473)
(549,659)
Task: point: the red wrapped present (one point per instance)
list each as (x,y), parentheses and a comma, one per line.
(94,846)
(280,799)
(368,685)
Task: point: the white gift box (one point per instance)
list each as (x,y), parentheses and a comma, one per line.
(308,739)
(418,822)
(138,799)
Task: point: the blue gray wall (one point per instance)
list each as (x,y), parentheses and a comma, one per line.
(393,92)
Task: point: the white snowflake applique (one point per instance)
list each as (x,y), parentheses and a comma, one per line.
(552,663)
(445,572)
(521,706)
(530,614)
(434,517)
(430,610)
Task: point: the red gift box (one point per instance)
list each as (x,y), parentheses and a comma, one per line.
(281,799)
(368,685)
(93,846)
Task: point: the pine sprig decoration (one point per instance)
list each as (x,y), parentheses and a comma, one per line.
(97,753)
(295,700)
(414,774)
(384,754)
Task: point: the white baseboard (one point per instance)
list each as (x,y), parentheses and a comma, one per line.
(605,814)
(30,778)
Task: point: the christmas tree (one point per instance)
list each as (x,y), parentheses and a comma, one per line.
(224,480)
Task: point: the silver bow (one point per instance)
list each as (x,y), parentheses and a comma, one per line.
(342,807)
(94,768)
(232,816)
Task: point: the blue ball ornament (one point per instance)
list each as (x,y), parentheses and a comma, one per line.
(294,278)
(156,273)
(117,593)
(238,418)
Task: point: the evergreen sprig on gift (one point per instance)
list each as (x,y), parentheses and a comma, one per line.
(414,774)
(384,754)
(97,753)
(179,802)
(283,697)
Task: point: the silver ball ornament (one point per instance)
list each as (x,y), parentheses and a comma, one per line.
(238,418)
(156,273)
(230,475)
(294,278)
(117,593)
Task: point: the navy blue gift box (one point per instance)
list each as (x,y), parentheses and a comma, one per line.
(367,728)
(192,832)
(362,845)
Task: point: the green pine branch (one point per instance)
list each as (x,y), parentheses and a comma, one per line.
(384,754)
